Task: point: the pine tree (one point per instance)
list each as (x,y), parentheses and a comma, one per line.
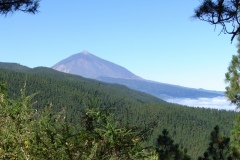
(235,139)
(219,147)
(233,94)
(233,77)
(220,12)
(27,6)
(167,150)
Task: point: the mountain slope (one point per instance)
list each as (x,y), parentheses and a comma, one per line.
(87,65)
(162,90)
(90,66)
(52,82)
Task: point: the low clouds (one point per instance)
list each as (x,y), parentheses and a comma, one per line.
(215,103)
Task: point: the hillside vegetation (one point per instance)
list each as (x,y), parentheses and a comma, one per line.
(162,90)
(88,65)
(190,127)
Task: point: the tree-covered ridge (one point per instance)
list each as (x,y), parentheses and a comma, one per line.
(189,127)
(157,89)
(14,67)
(60,88)
(162,90)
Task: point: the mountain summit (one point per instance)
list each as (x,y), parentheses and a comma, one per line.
(90,66)
(87,65)
(85,52)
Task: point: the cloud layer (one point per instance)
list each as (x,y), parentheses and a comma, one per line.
(215,103)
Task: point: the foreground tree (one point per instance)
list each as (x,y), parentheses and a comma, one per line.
(10,6)
(219,147)
(221,12)
(235,139)
(16,126)
(167,150)
(233,77)
(233,94)
(26,133)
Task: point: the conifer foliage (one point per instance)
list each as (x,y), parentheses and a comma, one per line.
(233,77)
(26,133)
(221,12)
(167,150)
(27,6)
(235,139)
(75,98)
(219,147)
(233,94)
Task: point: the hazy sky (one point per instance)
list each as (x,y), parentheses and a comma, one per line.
(157,40)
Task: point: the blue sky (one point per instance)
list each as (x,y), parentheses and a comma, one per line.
(157,40)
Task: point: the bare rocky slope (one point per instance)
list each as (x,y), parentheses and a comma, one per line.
(89,66)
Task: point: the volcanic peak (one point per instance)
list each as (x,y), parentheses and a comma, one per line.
(85,52)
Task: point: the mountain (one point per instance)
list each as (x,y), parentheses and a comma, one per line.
(87,65)
(163,90)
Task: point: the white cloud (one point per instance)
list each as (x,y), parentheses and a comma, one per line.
(215,103)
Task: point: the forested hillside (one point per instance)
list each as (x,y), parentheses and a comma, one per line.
(162,90)
(88,65)
(14,67)
(190,127)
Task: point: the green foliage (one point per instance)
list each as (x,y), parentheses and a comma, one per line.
(167,150)
(14,67)
(3,91)
(189,127)
(69,90)
(219,147)
(235,139)
(222,12)
(16,126)
(139,112)
(233,94)
(29,134)
(232,78)
(111,140)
